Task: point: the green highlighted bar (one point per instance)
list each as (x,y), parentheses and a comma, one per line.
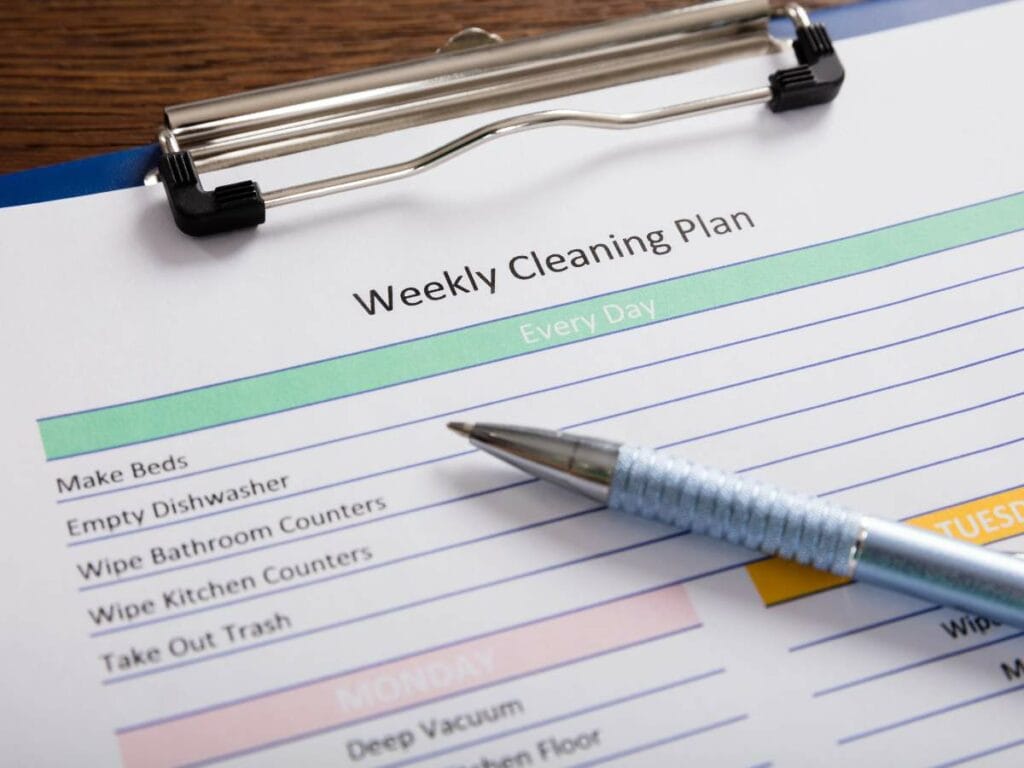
(176,414)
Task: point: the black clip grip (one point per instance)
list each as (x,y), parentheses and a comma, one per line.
(198,212)
(818,77)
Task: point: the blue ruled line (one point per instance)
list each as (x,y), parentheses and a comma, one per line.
(927,715)
(913,665)
(888,431)
(662,742)
(929,465)
(983,753)
(864,628)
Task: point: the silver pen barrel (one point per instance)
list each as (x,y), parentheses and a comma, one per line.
(942,570)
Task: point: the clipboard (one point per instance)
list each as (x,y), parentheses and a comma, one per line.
(131,167)
(209,289)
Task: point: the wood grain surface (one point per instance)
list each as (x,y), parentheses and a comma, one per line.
(83,77)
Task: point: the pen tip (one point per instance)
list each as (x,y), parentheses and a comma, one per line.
(462,427)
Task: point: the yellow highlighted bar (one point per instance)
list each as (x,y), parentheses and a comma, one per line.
(992,518)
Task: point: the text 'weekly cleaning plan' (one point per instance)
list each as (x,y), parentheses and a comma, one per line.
(236,531)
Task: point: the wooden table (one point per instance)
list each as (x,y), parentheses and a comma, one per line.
(80,78)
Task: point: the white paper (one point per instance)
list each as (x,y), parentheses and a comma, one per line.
(347,583)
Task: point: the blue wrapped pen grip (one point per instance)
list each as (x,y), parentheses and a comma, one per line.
(741,511)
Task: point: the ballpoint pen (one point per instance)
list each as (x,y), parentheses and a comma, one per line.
(759,516)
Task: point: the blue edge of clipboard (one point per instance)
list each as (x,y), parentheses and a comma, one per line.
(126,168)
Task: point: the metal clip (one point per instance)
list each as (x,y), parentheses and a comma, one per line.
(815,80)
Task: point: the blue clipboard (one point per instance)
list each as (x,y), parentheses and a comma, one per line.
(126,168)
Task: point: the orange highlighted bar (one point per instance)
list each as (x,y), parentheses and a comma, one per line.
(380,689)
(982,521)
(778,580)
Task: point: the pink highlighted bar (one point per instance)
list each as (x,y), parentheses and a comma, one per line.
(414,680)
